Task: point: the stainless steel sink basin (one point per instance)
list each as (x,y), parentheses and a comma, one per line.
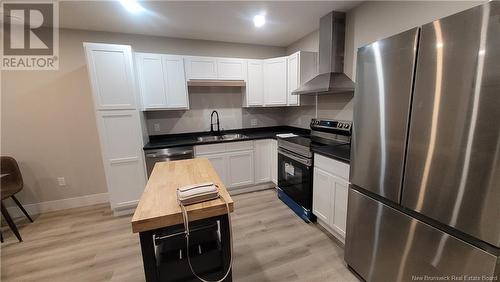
(233,136)
(210,138)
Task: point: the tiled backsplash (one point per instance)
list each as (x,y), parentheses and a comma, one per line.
(228,102)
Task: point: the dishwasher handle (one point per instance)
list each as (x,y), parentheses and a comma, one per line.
(170,152)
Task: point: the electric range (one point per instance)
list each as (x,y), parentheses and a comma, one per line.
(295,162)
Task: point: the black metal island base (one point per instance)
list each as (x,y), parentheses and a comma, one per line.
(158,220)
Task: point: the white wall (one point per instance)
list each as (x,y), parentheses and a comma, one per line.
(374,20)
(366,23)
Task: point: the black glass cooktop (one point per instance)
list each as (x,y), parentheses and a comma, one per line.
(340,150)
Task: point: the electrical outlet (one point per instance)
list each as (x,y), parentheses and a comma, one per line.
(253,122)
(156,127)
(61,181)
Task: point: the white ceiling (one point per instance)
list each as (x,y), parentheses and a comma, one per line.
(286,21)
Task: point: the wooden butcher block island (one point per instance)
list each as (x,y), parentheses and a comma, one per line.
(159,222)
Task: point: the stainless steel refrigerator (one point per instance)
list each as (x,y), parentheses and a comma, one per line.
(424,202)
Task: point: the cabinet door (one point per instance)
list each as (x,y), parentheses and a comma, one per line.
(175,80)
(232,69)
(120,136)
(151,80)
(201,67)
(255,83)
(111,75)
(339,205)
(218,161)
(293,79)
(322,195)
(274,161)
(275,82)
(262,157)
(240,169)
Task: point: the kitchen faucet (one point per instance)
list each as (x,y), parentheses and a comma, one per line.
(212,124)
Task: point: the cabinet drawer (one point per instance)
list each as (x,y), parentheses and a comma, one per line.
(332,166)
(209,149)
(239,146)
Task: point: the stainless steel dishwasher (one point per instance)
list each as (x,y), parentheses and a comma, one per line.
(167,154)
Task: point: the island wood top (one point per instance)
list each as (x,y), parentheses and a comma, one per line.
(158,206)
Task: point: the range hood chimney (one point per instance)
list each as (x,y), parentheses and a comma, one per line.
(332,79)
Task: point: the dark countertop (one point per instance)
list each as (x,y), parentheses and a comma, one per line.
(337,152)
(189,139)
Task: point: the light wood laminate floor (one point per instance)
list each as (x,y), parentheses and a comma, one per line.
(90,244)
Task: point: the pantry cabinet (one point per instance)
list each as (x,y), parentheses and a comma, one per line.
(162,82)
(330,188)
(118,121)
(111,75)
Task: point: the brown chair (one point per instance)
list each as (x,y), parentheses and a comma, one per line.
(12,182)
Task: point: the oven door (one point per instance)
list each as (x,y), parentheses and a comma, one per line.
(295,177)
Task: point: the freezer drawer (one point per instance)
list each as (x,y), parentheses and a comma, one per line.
(452,169)
(383,244)
(384,77)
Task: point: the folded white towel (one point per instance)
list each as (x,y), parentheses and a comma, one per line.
(286,135)
(197,193)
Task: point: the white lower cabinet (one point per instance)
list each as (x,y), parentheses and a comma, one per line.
(240,169)
(219,163)
(274,161)
(322,195)
(234,162)
(263,160)
(330,187)
(120,136)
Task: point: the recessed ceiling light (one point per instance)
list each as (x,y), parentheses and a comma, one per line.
(259,20)
(132,6)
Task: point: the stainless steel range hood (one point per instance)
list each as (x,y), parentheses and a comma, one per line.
(332,78)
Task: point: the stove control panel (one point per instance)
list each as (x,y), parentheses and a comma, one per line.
(341,127)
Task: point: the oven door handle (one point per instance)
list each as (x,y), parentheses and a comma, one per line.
(295,157)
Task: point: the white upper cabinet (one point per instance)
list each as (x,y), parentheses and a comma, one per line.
(162,81)
(231,69)
(293,79)
(302,66)
(201,67)
(151,80)
(255,84)
(111,76)
(275,82)
(177,95)
(216,68)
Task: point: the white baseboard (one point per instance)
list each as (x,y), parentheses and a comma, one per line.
(56,205)
(253,188)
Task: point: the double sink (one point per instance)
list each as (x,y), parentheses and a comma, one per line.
(210,138)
